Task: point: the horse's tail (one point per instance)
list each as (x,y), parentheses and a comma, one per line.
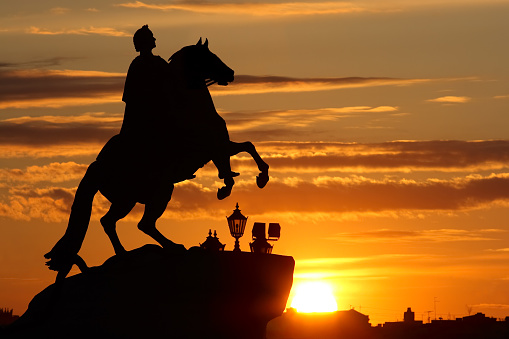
(64,253)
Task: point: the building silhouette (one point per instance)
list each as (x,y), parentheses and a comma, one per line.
(476,326)
(339,324)
(212,243)
(355,325)
(7,317)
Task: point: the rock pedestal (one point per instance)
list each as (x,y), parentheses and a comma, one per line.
(151,293)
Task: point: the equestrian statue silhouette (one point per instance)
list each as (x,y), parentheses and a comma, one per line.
(142,163)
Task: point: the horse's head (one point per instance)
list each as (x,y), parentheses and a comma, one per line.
(203,66)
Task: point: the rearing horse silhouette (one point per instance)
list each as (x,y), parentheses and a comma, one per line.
(199,135)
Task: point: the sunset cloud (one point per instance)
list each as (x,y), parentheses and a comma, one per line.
(490,306)
(399,156)
(48,136)
(249,84)
(451,100)
(258,9)
(54,172)
(48,204)
(431,235)
(343,195)
(58,130)
(22,88)
(279,9)
(60,10)
(247,121)
(57,88)
(325,195)
(105,31)
(55,61)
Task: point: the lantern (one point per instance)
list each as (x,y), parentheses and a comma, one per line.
(237,224)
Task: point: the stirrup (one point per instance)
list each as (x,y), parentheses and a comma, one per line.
(232,174)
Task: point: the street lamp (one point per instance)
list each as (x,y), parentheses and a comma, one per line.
(237,224)
(260,243)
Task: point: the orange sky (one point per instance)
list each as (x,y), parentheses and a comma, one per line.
(385,126)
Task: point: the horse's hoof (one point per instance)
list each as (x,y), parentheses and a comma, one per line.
(223,192)
(262,179)
(81,264)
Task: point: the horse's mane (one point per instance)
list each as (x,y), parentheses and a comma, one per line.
(179,56)
(179,66)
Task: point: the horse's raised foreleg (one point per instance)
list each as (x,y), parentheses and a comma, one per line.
(117,211)
(153,210)
(237,147)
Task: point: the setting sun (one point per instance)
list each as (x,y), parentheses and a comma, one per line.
(314,296)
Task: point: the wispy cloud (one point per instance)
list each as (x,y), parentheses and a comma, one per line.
(359,195)
(48,204)
(57,130)
(500,250)
(73,135)
(56,61)
(450,99)
(54,172)
(60,10)
(431,235)
(491,306)
(398,156)
(249,84)
(334,195)
(53,88)
(105,31)
(259,9)
(246,121)
(294,8)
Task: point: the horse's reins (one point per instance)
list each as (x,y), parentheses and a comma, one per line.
(210,82)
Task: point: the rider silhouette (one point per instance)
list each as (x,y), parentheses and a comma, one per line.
(145,126)
(145,88)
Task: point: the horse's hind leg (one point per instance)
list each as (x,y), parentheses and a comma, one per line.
(116,212)
(237,147)
(61,256)
(153,210)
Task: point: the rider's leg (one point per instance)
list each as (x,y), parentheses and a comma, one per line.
(117,211)
(222,163)
(153,210)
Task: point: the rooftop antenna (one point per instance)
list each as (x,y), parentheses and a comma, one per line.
(429,319)
(435,301)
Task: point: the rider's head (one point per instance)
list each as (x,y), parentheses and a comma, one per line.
(144,39)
